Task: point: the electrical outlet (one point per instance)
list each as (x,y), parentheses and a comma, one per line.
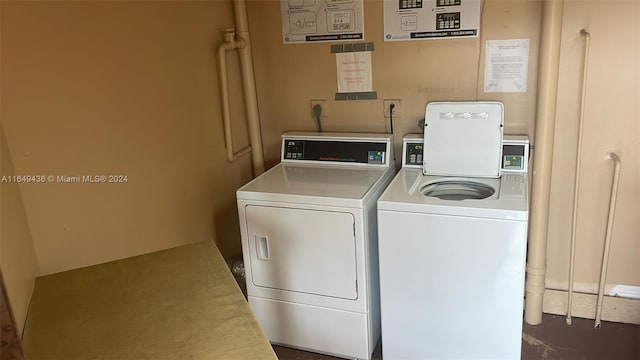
(397,110)
(323,104)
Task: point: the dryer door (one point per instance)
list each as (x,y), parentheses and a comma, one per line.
(302,250)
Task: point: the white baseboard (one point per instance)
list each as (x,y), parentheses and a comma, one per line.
(614,309)
(625,291)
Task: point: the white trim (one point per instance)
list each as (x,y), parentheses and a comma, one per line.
(625,291)
(614,309)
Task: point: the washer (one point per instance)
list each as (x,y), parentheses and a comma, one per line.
(452,239)
(309,242)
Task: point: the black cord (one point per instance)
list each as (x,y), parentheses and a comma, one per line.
(391,116)
(317,111)
(391,107)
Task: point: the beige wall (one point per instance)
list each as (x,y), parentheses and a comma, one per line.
(99,88)
(289,76)
(611,122)
(129,88)
(17,255)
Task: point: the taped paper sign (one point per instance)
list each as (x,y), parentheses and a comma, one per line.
(354,71)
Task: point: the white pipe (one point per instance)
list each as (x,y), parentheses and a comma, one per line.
(607,240)
(239,39)
(550,36)
(223,81)
(249,85)
(576,189)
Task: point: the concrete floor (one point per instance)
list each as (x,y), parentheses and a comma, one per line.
(553,339)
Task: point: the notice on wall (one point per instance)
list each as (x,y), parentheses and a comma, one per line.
(354,71)
(431,19)
(506,65)
(321,20)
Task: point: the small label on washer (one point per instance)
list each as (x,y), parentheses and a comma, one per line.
(376,157)
(513,162)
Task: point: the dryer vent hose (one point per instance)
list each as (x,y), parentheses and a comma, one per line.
(236,265)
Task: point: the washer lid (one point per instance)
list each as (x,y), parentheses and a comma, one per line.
(463,138)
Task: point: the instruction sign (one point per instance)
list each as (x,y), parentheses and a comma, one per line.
(506,66)
(354,71)
(321,20)
(431,19)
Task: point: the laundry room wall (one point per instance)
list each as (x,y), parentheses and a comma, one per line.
(290,76)
(119,88)
(417,72)
(611,123)
(18,260)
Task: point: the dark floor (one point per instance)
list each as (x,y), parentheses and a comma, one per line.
(552,339)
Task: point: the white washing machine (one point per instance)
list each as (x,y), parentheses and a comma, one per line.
(452,239)
(309,242)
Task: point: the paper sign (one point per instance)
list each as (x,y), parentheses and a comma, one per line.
(431,19)
(354,71)
(506,65)
(305,21)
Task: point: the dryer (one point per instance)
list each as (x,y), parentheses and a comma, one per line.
(452,239)
(309,242)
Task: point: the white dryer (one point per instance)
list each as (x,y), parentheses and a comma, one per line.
(452,239)
(309,242)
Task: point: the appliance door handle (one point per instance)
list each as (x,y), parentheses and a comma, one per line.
(262,247)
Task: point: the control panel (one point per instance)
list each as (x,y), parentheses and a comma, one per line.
(512,162)
(515,152)
(414,153)
(412,150)
(364,149)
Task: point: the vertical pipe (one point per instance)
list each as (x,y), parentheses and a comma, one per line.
(607,239)
(229,45)
(576,182)
(249,86)
(545,126)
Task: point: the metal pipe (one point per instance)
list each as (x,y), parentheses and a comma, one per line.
(550,36)
(249,85)
(607,239)
(576,188)
(223,81)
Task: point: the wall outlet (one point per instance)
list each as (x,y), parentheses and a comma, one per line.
(397,110)
(323,104)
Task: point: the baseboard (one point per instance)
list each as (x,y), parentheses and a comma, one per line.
(614,309)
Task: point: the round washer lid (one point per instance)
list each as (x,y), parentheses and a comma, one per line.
(463,138)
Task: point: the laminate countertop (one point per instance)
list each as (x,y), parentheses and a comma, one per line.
(180,303)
